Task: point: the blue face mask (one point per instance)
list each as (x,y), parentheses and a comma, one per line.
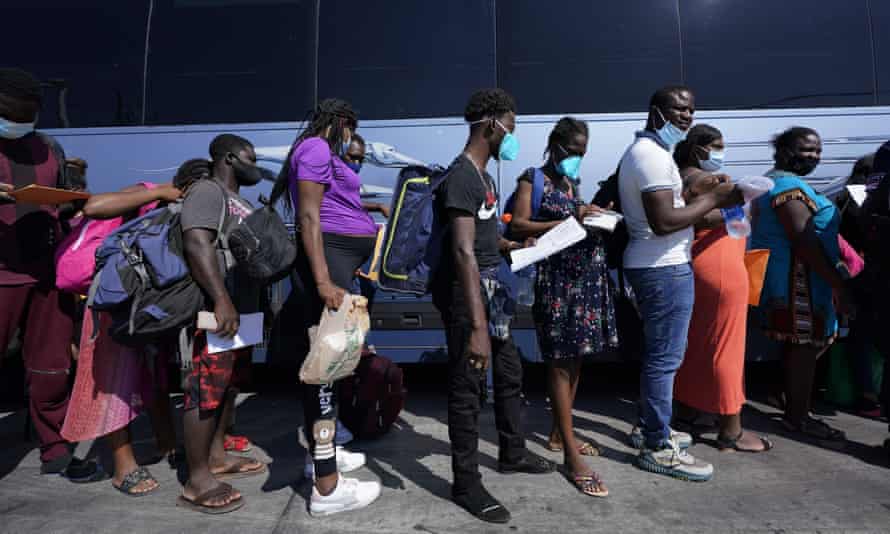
(344,146)
(570,166)
(669,134)
(714,161)
(354,166)
(15,130)
(509,149)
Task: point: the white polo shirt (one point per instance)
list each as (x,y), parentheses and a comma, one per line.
(647,166)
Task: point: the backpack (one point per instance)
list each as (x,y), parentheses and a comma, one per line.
(412,246)
(261,245)
(371,399)
(616,241)
(76,255)
(537,195)
(143,280)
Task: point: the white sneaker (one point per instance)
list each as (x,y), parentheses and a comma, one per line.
(346,462)
(350,494)
(675,462)
(682,439)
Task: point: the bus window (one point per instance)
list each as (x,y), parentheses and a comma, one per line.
(405,59)
(762,53)
(89,55)
(582,56)
(880,14)
(220,61)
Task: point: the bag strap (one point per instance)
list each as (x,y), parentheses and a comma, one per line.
(59,155)
(537,190)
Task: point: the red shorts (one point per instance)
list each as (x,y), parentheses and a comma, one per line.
(211,375)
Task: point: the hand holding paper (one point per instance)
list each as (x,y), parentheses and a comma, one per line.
(558,238)
(249,333)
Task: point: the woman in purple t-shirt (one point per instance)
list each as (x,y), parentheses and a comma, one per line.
(335,236)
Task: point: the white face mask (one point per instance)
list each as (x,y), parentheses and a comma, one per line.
(15,130)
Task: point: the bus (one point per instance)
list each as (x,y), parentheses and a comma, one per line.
(137,87)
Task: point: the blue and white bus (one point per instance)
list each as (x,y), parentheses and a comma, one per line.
(137,87)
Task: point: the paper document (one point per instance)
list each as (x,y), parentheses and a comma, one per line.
(558,238)
(857,193)
(250,332)
(606,220)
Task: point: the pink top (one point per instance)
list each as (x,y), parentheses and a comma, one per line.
(850,257)
(341,206)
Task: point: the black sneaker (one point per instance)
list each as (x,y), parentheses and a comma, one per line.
(482,505)
(531,464)
(83,471)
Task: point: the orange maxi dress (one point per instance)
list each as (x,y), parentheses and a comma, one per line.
(711,378)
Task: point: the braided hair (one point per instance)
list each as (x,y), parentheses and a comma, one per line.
(332,113)
(20,85)
(563,132)
(699,135)
(190,172)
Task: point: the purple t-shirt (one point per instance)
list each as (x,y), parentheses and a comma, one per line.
(341,206)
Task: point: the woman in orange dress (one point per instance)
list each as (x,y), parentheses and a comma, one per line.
(711,378)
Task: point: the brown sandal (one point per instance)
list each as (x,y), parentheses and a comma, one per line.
(586,448)
(732,444)
(236,470)
(199,503)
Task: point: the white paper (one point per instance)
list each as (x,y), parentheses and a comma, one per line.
(558,238)
(857,193)
(250,332)
(606,220)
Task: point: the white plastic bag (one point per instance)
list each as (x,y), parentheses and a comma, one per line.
(335,345)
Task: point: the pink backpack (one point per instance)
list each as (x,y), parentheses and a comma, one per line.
(851,259)
(76,254)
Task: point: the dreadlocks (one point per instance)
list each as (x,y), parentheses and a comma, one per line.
(329,121)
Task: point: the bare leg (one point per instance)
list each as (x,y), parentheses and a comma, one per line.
(125,461)
(800,372)
(198,430)
(731,428)
(220,460)
(561,375)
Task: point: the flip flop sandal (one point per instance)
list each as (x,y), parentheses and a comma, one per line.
(198,504)
(591,485)
(235,470)
(237,444)
(590,448)
(732,444)
(133,479)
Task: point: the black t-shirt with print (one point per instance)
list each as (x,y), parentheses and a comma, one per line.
(464,190)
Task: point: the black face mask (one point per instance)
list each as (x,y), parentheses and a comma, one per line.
(248,174)
(801,166)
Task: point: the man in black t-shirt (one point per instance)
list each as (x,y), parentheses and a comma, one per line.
(463,293)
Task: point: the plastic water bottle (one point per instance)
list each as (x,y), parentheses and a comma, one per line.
(525,286)
(737,225)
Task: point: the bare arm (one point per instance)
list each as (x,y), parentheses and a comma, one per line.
(797,220)
(664,218)
(371,207)
(521,225)
(712,219)
(200,253)
(309,216)
(111,205)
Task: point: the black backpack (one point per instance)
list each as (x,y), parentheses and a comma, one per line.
(261,245)
(617,241)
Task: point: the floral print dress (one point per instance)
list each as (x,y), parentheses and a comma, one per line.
(574,311)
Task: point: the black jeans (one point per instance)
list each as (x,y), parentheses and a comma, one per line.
(343,254)
(465,389)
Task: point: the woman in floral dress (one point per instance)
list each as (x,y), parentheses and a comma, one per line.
(573,309)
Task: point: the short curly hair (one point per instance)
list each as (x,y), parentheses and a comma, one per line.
(488,103)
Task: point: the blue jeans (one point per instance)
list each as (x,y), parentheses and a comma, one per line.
(665,296)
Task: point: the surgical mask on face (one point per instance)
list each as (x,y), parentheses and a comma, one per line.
(15,130)
(669,134)
(570,166)
(714,162)
(509,148)
(354,166)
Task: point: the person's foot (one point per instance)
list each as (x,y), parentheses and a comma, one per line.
(136,483)
(745,442)
(531,464)
(585,448)
(237,467)
(349,494)
(210,496)
(682,439)
(74,469)
(675,462)
(346,462)
(482,505)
